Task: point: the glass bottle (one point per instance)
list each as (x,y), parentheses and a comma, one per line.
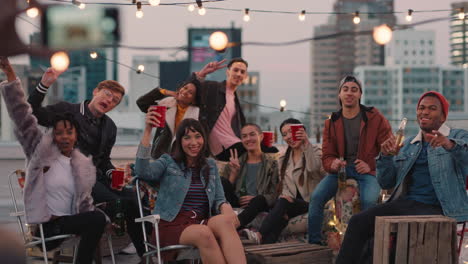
(342,176)
(400,135)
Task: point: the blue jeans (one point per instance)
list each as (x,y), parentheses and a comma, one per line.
(369,191)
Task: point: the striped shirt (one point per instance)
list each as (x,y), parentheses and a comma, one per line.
(196,198)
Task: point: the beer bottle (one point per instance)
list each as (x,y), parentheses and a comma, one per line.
(342,176)
(400,135)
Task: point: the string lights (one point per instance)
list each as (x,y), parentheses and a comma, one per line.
(409,16)
(139,12)
(140,69)
(356,18)
(246,15)
(191,8)
(79,4)
(93,55)
(282,105)
(32,12)
(461,13)
(302,15)
(201,8)
(154,2)
(60,61)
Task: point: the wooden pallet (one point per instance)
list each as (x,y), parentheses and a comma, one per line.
(415,240)
(288,252)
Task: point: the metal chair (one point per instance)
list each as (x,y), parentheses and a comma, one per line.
(156,249)
(30,241)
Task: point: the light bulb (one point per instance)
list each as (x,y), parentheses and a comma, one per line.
(461,14)
(154,2)
(218,40)
(382,34)
(302,15)
(141,68)
(191,8)
(356,20)
(32,12)
(409,16)
(93,55)
(139,14)
(283,103)
(246,18)
(202,11)
(82,6)
(60,61)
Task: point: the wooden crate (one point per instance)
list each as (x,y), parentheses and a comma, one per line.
(415,240)
(288,252)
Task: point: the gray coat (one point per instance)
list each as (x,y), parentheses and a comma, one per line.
(41,152)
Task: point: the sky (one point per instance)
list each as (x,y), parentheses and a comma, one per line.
(284,71)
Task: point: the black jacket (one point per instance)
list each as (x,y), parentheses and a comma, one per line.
(87,145)
(212,99)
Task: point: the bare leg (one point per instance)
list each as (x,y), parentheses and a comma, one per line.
(203,238)
(231,246)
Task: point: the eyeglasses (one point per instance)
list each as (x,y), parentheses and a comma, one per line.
(109,94)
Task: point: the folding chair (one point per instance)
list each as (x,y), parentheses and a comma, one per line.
(156,249)
(30,241)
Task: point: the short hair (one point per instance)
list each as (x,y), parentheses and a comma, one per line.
(111,85)
(257,127)
(241,60)
(66,117)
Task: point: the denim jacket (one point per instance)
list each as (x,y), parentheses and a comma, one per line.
(447,169)
(174,182)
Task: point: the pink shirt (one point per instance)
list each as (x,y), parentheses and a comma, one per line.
(222,134)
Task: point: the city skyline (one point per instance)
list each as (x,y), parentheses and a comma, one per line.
(282,68)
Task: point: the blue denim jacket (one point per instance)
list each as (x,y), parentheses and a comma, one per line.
(174,183)
(447,169)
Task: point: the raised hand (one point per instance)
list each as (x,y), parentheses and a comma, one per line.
(211,67)
(50,76)
(436,139)
(389,147)
(234,160)
(5,66)
(152,118)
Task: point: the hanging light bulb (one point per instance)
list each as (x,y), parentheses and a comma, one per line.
(461,14)
(191,7)
(282,105)
(82,6)
(302,15)
(382,34)
(246,15)
(32,12)
(218,41)
(202,11)
(409,16)
(154,2)
(93,55)
(356,18)
(139,12)
(60,61)
(141,68)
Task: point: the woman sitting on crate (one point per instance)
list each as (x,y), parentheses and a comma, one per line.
(59,178)
(191,200)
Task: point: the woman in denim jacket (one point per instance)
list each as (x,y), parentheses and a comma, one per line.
(191,200)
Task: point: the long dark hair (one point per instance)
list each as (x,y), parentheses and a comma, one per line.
(196,83)
(178,154)
(286,158)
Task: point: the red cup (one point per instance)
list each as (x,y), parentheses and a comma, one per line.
(294,129)
(118,176)
(268,138)
(162,111)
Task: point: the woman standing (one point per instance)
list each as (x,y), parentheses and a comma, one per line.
(191,200)
(59,178)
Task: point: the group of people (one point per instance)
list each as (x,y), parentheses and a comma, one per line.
(69,168)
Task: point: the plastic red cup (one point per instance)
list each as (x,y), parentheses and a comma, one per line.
(294,129)
(117,178)
(162,111)
(268,138)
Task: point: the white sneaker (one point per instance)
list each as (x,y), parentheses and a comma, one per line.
(251,235)
(129,250)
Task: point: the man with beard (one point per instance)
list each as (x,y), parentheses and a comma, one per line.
(427,173)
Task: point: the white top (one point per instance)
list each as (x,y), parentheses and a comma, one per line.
(60,187)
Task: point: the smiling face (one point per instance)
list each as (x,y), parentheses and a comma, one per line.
(104,100)
(429,114)
(192,143)
(251,138)
(65,137)
(287,137)
(236,74)
(186,94)
(350,94)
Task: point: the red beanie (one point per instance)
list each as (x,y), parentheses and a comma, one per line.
(443,101)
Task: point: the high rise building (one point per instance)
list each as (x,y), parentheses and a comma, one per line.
(411,48)
(395,90)
(249,97)
(337,56)
(459,35)
(173,73)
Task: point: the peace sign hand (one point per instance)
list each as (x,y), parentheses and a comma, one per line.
(234,160)
(211,67)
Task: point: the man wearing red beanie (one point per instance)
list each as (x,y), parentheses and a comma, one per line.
(427,174)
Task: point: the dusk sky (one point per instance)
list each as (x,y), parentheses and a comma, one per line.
(284,71)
